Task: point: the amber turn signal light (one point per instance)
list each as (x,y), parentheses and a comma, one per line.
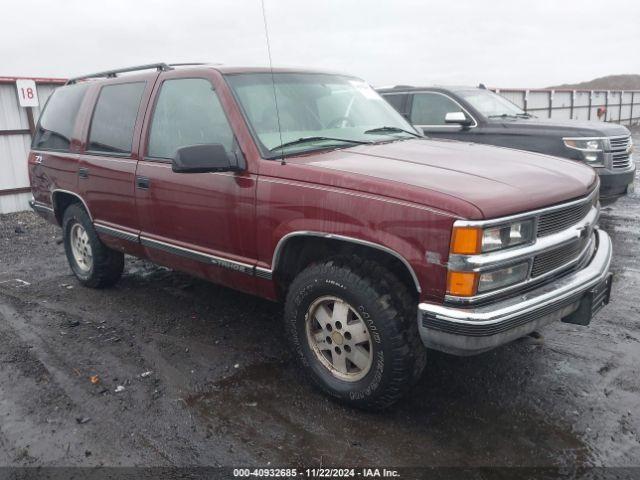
(466,240)
(462,284)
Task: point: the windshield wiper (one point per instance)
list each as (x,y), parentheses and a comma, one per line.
(392,130)
(315,139)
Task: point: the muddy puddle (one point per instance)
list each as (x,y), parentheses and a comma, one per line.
(269,407)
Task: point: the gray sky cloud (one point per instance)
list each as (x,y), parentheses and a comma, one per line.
(499,42)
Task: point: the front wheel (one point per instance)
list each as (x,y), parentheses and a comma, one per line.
(353,327)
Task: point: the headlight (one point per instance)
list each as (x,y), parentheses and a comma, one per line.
(474,240)
(503,277)
(468,284)
(592,149)
(506,236)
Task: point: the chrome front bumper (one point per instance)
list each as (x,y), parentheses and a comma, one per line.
(467,331)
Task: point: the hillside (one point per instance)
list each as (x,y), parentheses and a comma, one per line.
(610,82)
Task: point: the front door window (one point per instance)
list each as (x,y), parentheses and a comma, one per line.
(430,109)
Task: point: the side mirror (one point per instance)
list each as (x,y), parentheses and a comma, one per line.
(457,117)
(211,157)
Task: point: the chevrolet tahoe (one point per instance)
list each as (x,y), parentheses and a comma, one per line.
(308,188)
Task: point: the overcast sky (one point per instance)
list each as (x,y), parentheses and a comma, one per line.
(501,43)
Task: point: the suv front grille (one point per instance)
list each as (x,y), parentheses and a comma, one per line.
(562,219)
(620,157)
(553,259)
(565,241)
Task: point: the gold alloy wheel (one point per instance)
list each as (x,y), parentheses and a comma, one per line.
(339,338)
(81,248)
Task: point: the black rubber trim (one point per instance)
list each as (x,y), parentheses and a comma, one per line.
(199,257)
(112,232)
(183,252)
(267,275)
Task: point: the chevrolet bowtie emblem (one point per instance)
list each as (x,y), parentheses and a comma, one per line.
(584,232)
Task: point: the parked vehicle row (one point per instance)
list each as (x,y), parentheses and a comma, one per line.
(482,116)
(308,188)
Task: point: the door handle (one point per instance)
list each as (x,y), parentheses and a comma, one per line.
(142,183)
(83,172)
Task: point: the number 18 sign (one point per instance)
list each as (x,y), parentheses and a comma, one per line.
(27,93)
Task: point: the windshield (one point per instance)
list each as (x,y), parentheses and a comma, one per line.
(316,111)
(491,104)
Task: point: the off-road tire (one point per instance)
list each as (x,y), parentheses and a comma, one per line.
(107,265)
(390,312)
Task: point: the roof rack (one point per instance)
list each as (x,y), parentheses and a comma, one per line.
(189,64)
(161,67)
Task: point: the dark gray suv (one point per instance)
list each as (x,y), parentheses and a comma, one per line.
(479,115)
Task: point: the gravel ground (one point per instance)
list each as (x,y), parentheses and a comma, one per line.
(223,389)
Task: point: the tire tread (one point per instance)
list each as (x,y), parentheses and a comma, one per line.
(108,264)
(399,312)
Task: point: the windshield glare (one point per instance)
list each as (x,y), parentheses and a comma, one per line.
(490,104)
(313,105)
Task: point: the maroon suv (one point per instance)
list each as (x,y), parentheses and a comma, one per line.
(307,187)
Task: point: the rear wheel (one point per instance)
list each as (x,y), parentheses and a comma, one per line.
(93,263)
(353,327)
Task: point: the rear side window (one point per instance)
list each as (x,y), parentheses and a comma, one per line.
(56,124)
(431,108)
(114,118)
(397,101)
(188,112)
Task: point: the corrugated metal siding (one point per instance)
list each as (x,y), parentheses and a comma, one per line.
(15,148)
(598,100)
(557,105)
(13,154)
(516,97)
(538,103)
(14,203)
(613,110)
(11,115)
(626,107)
(581,101)
(562,100)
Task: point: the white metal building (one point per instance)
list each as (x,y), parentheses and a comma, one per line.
(17,124)
(599,105)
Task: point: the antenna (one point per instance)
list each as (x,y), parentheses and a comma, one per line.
(273,80)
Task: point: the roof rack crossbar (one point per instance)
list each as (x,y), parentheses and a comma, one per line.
(161,67)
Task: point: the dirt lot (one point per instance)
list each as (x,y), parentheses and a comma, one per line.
(223,389)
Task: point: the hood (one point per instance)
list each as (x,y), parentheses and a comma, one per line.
(565,128)
(496,181)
